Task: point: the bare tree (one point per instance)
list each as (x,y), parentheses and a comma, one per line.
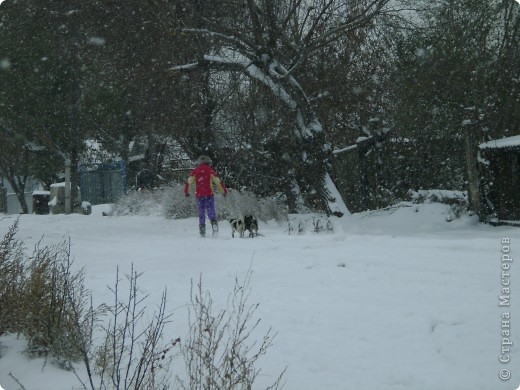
(269,41)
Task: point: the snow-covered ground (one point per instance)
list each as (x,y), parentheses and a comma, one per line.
(390,300)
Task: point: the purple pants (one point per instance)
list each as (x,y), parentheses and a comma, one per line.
(206,203)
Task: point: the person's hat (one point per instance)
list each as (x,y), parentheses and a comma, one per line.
(204,160)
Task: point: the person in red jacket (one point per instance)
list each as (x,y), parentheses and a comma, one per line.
(205,179)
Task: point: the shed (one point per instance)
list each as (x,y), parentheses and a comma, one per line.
(499,164)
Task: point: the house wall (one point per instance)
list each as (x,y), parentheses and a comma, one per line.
(12,205)
(507,175)
(500,184)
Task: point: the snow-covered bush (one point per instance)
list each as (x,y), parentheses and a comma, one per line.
(457,200)
(167,201)
(439,196)
(171,203)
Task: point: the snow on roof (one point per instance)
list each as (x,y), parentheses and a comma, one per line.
(137,157)
(507,142)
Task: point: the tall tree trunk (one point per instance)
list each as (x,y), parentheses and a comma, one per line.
(472,170)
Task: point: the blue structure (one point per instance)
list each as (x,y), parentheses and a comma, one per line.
(103,183)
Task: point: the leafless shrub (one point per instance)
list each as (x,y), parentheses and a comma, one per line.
(45,300)
(59,312)
(12,276)
(42,298)
(132,354)
(221,352)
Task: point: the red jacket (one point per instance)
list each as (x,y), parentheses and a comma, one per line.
(204,178)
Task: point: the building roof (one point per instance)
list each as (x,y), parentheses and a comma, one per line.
(503,143)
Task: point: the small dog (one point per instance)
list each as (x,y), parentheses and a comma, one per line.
(251,225)
(240,225)
(237,225)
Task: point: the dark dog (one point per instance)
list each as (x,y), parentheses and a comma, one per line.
(251,225)
(237,225)
(240,225)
